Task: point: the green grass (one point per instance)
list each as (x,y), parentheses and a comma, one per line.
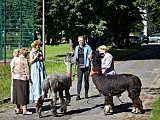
(56,52)
(156,110)
(120,54)
(5,81)
(54,56)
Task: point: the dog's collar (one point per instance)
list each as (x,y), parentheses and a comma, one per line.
(94,72)
(68,74)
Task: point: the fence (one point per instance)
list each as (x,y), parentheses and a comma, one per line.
(16,31)
(16,26)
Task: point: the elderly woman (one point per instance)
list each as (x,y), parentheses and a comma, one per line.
(38,72)
(21,79)
(15,56)
(107,61)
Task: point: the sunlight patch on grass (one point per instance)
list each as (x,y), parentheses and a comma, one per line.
(57,52)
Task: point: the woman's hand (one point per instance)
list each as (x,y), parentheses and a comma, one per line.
(41,58)
(30,82)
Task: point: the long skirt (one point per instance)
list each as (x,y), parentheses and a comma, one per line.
(20,92)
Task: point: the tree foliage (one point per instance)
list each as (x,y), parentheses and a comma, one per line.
(97,19)
(152,8)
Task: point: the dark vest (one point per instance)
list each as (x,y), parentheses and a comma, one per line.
(81,57)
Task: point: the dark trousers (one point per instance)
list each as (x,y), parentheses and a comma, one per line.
(80,73)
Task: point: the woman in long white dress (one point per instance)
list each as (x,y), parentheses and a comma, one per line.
(38,72)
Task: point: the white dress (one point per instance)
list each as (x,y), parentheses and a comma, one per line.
(38,74)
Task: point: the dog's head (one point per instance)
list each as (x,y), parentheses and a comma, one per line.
(95,57)
(70,58)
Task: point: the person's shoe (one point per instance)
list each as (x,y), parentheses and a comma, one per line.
(17,111)
(78,97)
(86,96)
(27,113)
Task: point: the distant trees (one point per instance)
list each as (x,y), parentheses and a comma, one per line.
(99,20)
(153,6)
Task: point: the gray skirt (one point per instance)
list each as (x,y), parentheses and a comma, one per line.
(20,92)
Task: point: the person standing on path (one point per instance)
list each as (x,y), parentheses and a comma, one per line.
(38,72)
(15,56)
(107,62)
(82,52)
(21,79)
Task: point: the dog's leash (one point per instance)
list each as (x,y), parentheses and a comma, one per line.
(120,99)
(74,74)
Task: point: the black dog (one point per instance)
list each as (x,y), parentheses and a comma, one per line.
(112,85)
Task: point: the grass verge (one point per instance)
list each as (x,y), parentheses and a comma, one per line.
(156,110)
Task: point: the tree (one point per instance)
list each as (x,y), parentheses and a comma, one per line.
(98,19)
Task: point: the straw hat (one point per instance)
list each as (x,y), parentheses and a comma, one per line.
(102,49)
(36,42)
(16,52)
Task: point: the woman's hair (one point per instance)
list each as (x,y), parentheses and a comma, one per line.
(102,47)
(24,52)
(36,42)
(81,37)
(16,52)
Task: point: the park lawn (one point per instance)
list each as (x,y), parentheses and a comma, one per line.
(56,52)
(54,57)
(120,54)
(5,81)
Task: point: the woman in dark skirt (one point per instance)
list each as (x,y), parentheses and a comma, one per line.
(21,79)
(21,92)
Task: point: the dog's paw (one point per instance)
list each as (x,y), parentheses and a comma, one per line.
(63,109)
(55,114)
(133,110)
(107,109)
(136,111)
(40,116)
